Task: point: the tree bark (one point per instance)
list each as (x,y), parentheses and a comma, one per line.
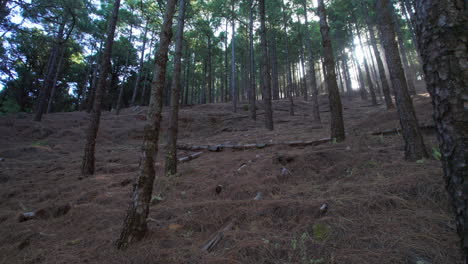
(441,31)
(414,144)
(336,109)
(87,167)
(265,69)
(313,79)
(122,85)
(171,151)
(135,227)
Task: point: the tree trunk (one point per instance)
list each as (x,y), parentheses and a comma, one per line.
(288,64)
(366,67)
(346,73)
(226,66)
(252,89)
(414,144)
(135,227)
(87,167)
(140,65)
(171,151)
(362,85)
(441,31)
(336,109)
(122,85)
(44,93)
(54,83)
(380,65)
(404,57)
(265,69)
(313,79)
(210,73)
(274,68)
(233,66)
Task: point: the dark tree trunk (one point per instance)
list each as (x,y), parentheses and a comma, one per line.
(44,93)
(252,88)
(265,69)
(210,72)
(54,82)
(226,66)
(233,66)
(140,65)
(404,56)
(414,144)
(122,85)
(274,67)
(380,65)
(336,109)
(441,30)
(171,151)
(346,73)
(313,79)
(87,167)
(288,65)
(134,226)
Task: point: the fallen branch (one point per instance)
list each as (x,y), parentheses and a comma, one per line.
(217,238)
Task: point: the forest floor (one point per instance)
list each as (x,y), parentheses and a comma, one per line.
(381,209)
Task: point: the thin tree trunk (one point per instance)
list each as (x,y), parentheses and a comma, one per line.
(87,167)
(122,85)
(404,57)
(54,83)
(414,144)
(44,93)
(233,66)
(226,66)
(135,227)
(366,67)
(252,90)
(171,151)
(265,69)
(336,109)
(380,65)
(274,67)
(140,64)
(313,79)
(288,65)
(210,74)
(441,31)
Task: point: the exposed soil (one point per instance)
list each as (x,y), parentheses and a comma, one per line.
(381,209)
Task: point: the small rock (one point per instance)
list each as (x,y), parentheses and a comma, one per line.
(285,172)
(2,159)
(348,148)
(258,196)
(218,189)
(23,217)
(155,199)
(417,260)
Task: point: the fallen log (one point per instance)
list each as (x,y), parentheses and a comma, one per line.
(395,131)
(221,147)
(190,157)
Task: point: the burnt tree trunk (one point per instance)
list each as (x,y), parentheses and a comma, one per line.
(414,144)
(171,151)
(441,31)
(266,87)
(336,109)
(134,226)
(87,167)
